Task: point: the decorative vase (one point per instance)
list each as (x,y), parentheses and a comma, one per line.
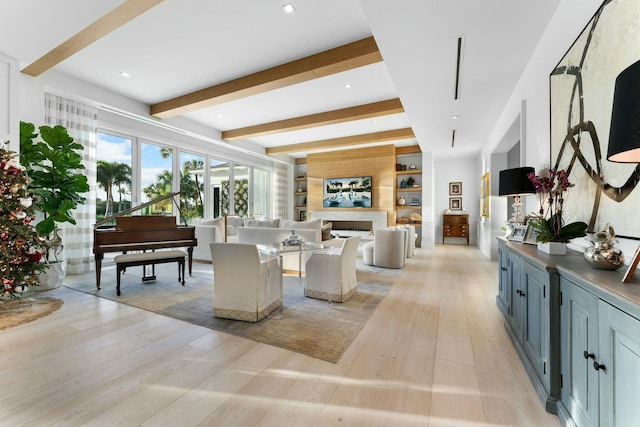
(604,254)
(402,201)
(553,248)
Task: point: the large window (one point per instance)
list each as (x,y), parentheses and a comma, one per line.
(114,174)
(132,172)
(191,185)
(156,178)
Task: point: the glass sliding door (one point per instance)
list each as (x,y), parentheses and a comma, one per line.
(260,192)
(156,178)
(114,174)
(241,188)
(191,185)
(219,187)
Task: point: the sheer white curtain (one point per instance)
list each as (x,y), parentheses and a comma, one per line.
(81,123)
(280,191)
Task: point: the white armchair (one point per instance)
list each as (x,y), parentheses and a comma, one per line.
(388,248)
(246,287)
(207,231)
(332,275)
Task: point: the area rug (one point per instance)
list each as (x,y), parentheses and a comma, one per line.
(304,325)
(18,311)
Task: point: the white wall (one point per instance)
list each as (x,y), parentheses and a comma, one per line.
(567,23)
(457,169)
(9,128)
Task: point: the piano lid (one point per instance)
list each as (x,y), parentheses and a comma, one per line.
(142,206)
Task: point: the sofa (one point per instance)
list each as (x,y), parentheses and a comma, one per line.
(235,229)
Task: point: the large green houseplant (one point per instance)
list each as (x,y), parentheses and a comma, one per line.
(53,162)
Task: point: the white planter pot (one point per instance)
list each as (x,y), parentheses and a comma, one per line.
(51,278)
(553,248)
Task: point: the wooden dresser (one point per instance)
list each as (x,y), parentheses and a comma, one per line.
(455,226)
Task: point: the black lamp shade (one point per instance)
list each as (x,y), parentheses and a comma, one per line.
(515,182)
(624,135)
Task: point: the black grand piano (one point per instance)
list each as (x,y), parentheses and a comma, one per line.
(141,232)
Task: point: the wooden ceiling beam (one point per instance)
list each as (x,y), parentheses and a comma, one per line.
(353,55)
(383,136)
(113,20)
(359,112)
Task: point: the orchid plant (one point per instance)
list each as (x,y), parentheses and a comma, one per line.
(549,223)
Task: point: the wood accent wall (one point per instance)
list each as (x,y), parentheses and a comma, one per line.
(377,162)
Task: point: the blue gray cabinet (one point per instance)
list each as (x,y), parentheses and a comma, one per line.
(577,332)
(580,348)
(600,360)
(527,294)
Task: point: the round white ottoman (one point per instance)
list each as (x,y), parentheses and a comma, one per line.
(367,253)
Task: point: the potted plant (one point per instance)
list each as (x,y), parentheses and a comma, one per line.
(53,163)
(549,223)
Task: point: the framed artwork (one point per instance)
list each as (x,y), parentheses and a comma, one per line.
(484,195)
(531,235)
(582,88)
(518,233)
(455,189)
(455,203)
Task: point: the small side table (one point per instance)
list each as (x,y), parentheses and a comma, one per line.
(455,226)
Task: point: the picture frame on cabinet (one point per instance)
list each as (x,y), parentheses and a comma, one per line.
(455,189)
(531,235)
(518,233)
(455,203)
(632,267)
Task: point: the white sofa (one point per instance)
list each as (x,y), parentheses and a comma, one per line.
(248,230)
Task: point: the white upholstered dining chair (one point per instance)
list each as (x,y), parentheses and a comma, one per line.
(332,275)
(246,286)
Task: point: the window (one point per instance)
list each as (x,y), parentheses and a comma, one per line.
(156,178)
(114,174)
(219,178)
(260,193)
(191,185)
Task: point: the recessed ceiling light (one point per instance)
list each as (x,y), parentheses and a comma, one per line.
(289,8)
(125,74)
(375,120)
(348,86)
(219,116)
(454,117)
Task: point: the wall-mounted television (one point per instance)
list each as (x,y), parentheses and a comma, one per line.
(347,192)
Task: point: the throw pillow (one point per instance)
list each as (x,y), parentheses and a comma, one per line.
(268,223)
(326,231)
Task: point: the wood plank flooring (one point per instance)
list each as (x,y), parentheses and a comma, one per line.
(434,353)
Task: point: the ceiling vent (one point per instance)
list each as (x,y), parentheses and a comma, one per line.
(456,93)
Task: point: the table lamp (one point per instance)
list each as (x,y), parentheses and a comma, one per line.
(516,183)
(624,134)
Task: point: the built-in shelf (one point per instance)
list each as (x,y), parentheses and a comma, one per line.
(409,172)
(409,190)
(301,193)
(408,207)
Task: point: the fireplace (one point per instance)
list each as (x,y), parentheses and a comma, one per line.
(352,223)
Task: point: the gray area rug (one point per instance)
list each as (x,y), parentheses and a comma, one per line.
(304,325)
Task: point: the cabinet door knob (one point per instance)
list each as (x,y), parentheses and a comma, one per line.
(588,355)
(598,366)
(503,268)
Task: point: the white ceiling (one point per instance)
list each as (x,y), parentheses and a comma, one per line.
(184,45)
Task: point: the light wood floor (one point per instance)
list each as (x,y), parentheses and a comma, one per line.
(434,353)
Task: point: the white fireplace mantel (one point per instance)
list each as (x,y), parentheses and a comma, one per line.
(377,218)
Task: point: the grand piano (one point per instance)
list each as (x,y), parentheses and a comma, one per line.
(141,232)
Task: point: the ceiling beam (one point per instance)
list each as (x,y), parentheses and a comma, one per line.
(359,112)
(353,55)
(383,136)
(113,20)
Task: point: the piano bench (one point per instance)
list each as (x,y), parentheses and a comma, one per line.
(149,258)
